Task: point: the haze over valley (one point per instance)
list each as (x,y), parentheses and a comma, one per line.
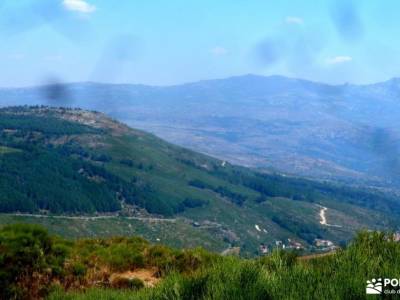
(336,132)
(199,150)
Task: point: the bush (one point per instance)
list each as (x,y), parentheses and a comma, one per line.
(127,283)
(79,270)
(122,256)
(29,260)
(191,260)
(161,257)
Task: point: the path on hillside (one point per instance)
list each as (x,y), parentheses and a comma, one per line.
(91,218)
(322,215)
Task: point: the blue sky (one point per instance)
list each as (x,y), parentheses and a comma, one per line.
(170,42)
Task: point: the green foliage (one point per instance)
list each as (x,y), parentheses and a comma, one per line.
(280,275)
(28,187)
(79,270)
(163,179)
(29,259)
(61,166)
(118,254)
(21,118)
(121,257)
(299,189)
(127,283)
(278,259)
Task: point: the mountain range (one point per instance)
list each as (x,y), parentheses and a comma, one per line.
(344,132)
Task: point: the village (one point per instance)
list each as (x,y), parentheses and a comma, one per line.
(320,245)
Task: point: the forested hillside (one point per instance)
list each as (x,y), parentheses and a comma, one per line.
(75,162)
(342,132)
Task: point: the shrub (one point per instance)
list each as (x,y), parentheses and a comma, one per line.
(127,283)
(193,259)
(79,270)
(28,258)
(122,257)
(161,257)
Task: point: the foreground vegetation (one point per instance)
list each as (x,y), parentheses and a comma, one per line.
(35,265)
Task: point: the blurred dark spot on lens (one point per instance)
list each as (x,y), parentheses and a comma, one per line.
(57,93)
(269,51)
(347,20)
(385,144)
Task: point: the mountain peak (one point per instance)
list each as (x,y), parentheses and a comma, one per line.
(88,118)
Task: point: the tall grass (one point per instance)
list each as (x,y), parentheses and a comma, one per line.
(279,276)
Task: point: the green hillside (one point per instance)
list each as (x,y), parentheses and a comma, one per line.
(57,161)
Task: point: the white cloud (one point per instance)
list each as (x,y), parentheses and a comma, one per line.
(218,51)
(79,5)
(294,20)
(338,60)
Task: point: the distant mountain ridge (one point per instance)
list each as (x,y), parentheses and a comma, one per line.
(341,132)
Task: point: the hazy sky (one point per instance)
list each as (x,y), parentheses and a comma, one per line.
(168,42)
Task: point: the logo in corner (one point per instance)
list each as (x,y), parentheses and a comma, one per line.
(374,286)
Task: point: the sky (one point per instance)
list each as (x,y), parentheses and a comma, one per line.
(172,42)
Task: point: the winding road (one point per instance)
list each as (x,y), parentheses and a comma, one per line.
(322,216)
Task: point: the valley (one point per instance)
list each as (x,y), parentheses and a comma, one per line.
(128,182)
(276,124)
(199,150)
